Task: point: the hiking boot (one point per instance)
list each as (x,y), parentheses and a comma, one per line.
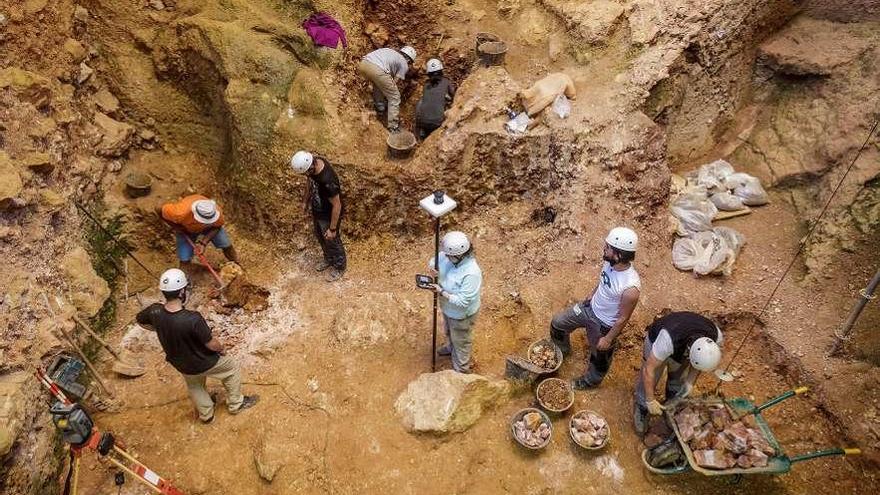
(321,266)
(582,384)
(334,275)
(444,351)
(246,403)
(207,421)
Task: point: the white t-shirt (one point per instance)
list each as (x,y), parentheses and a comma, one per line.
(663,349)
(606,301)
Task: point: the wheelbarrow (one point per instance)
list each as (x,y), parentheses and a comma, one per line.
(779,463)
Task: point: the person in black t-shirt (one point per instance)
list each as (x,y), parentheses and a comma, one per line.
(191,349)
(323,195)
(684,344)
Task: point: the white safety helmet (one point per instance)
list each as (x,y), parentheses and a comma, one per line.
(205,211)
(455,243)
(301,161)
(705,355)
(623,238)
(409,52)
(172,280)
(433,65)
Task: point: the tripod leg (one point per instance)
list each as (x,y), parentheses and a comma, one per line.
(75,467)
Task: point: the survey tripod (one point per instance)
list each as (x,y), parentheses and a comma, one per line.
(78,430)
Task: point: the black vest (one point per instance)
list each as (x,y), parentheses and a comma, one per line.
(684,328)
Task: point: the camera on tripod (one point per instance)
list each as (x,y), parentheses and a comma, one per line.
(77,427)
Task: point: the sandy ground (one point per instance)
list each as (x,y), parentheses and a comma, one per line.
(327,389)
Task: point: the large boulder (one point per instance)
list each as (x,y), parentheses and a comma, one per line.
(10,183)
(87,291)
(593,22)
(116,137)
(812,47)
(12,403)
(448,402)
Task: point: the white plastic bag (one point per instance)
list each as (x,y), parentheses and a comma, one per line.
(694,213)
(725,201)
(710,252)
(751,192)
(712,175)
(561,106)
(519,124)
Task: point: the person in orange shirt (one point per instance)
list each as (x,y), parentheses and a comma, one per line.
(199,219)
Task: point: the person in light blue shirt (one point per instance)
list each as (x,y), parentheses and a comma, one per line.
(459,283)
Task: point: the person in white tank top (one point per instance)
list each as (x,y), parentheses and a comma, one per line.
(608,309)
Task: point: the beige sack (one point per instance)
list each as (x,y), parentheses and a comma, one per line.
(543,92)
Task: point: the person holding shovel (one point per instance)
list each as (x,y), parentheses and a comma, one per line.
(682,343)
(606,312)
(196,221)
(323,196)
(460,280)
(191,348)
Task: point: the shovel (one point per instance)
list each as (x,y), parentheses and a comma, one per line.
(121,366)
(207,264)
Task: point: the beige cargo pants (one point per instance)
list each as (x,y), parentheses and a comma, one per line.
(227,371)
(383,85)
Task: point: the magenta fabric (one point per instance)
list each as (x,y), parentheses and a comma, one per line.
(324,30)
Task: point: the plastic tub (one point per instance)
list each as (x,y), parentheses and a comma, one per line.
(584,412)
(544,384)
(401,144)
(519,415)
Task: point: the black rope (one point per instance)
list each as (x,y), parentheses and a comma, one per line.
(803,244)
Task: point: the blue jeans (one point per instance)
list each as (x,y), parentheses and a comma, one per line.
(185,251)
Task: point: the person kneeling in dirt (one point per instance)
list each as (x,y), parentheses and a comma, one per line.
(437,94)
(605,313)
(191,349)
(459,283)
(683,343)
(323,194)
(196,221)
(382,67)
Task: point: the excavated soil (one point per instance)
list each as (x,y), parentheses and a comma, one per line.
(212,97)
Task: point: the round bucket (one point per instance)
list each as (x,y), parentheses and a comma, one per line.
(575,440)
(492,52)
(554,382)
(483,38)
(519,415)
(401,144)
(138,184)
(551,344)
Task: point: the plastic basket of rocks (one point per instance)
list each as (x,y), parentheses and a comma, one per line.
(531,428)
(589,430)
(555,395)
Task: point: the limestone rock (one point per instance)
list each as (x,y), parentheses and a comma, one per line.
(812,47)
(51,201)
(643,22)
(10,184)
(75,49)
(377,33)
(269,455)
(41,128)
(116,136)
(157,4)
(81,14)
(29,86)
(38,162)
(448,402)
(593,22)
(35,6)
(12,397)
(85,72)
(105,101)
(306,93)
(87,291)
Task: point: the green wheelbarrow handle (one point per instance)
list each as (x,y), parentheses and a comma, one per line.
(776,400)
(824,453)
